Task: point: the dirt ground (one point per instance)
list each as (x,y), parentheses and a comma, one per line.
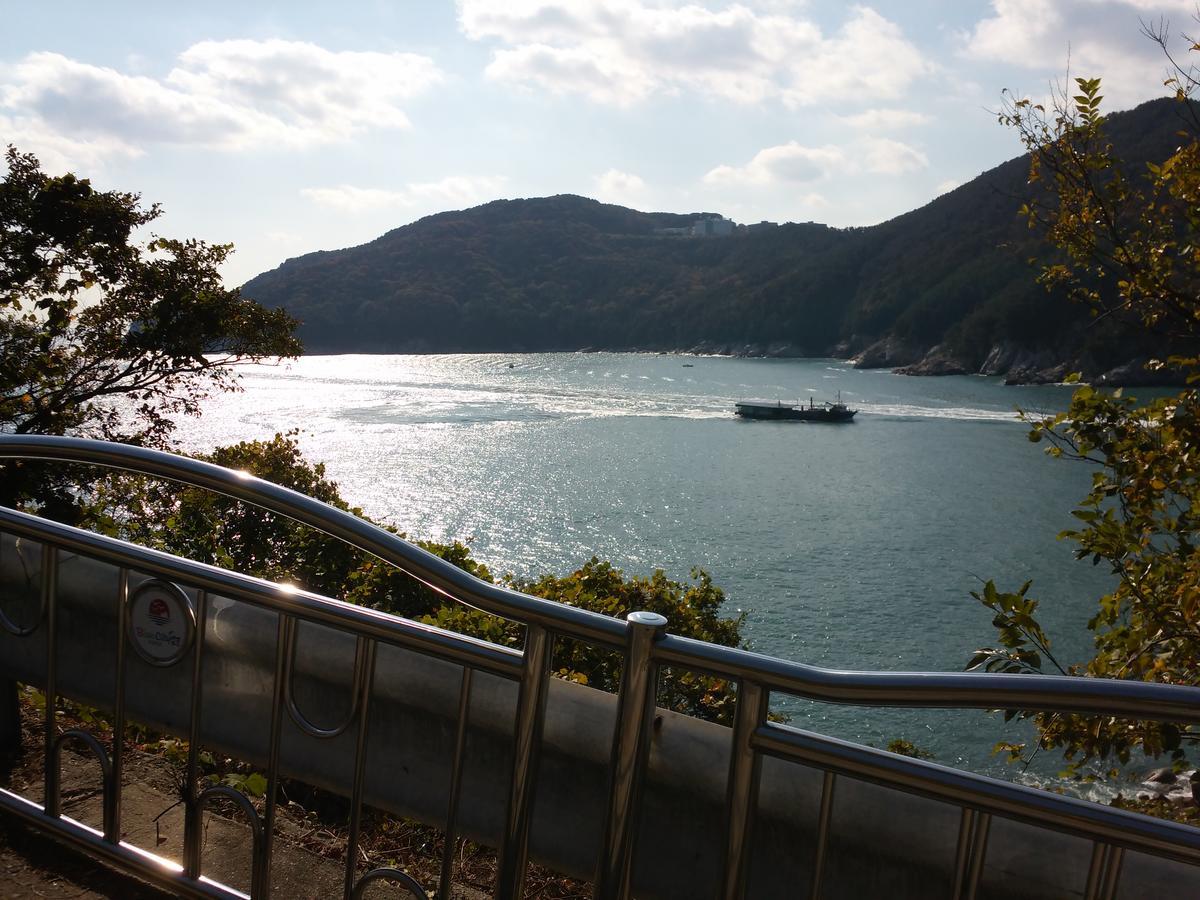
(34,865)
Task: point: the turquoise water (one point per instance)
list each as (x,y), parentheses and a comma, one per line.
(850,546)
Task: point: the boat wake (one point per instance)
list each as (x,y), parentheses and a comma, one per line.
(959,413)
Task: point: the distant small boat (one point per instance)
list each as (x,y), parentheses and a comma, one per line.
(814,412)
(689,365)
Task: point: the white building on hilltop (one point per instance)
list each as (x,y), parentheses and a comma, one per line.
(712,226)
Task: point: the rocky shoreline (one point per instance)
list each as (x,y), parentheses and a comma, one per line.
(1016,365)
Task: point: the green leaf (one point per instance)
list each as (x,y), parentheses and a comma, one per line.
(255,784)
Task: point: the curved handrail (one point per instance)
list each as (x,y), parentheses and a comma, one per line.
(940,690)
(1132,699)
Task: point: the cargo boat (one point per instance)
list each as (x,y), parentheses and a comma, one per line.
(814,412)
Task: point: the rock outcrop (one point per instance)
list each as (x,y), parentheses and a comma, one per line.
(1135,374)
(941,360)
(1177,788)
(889,353)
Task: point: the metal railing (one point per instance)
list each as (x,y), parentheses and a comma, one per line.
(645,647)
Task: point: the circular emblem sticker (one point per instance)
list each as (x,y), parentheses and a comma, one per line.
(161,622)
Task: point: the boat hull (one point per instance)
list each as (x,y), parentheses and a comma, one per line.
(794,413)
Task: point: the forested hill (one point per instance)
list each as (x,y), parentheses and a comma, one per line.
(946,287)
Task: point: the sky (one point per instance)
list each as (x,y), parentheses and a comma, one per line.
(286,128)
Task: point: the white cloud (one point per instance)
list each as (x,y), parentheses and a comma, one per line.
(793,163)
(224,94)
(622,51)
(348,198)
(1097,37)
(884,156)
(1010,35)
(457,190)
(945,187)
(58,153)
(886,119)
(454,191)
(789,163)
(615,186)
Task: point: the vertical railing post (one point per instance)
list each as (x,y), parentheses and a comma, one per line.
(1104,872)
(260,883)
(360,768)
(744,768)
(192,812)
(531,709)
(972,848)
(51,799)
(112,797)
(1112,873)
(456,767)
(821,848)
(631,741)
(10,719)
(10,709)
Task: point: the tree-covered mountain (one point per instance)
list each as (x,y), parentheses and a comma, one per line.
(944,288)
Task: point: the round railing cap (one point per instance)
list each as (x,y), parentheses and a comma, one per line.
(642,617)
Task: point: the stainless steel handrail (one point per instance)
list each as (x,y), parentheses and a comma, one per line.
(981,690)
(645,648)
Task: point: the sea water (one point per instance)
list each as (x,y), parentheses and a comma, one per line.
(850,546)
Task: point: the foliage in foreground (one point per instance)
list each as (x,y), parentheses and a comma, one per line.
(1125,248)
(104,335)
(214,529)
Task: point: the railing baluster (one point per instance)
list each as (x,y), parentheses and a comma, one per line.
(10,718)
(10,703)
(192,809)
(631,741)
(260,884)
(395,876)
(293,708)
(460,746)
(1095,871)
(828,783)
(745,766)
(972,848)
(50,606)
(6,622)
(1112,872)
(962,855)
(112,798)
(360,768)
(1104,871)
(531,709)
(89,741)
(979,844)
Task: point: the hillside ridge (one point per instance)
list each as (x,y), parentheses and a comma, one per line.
(944,288)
